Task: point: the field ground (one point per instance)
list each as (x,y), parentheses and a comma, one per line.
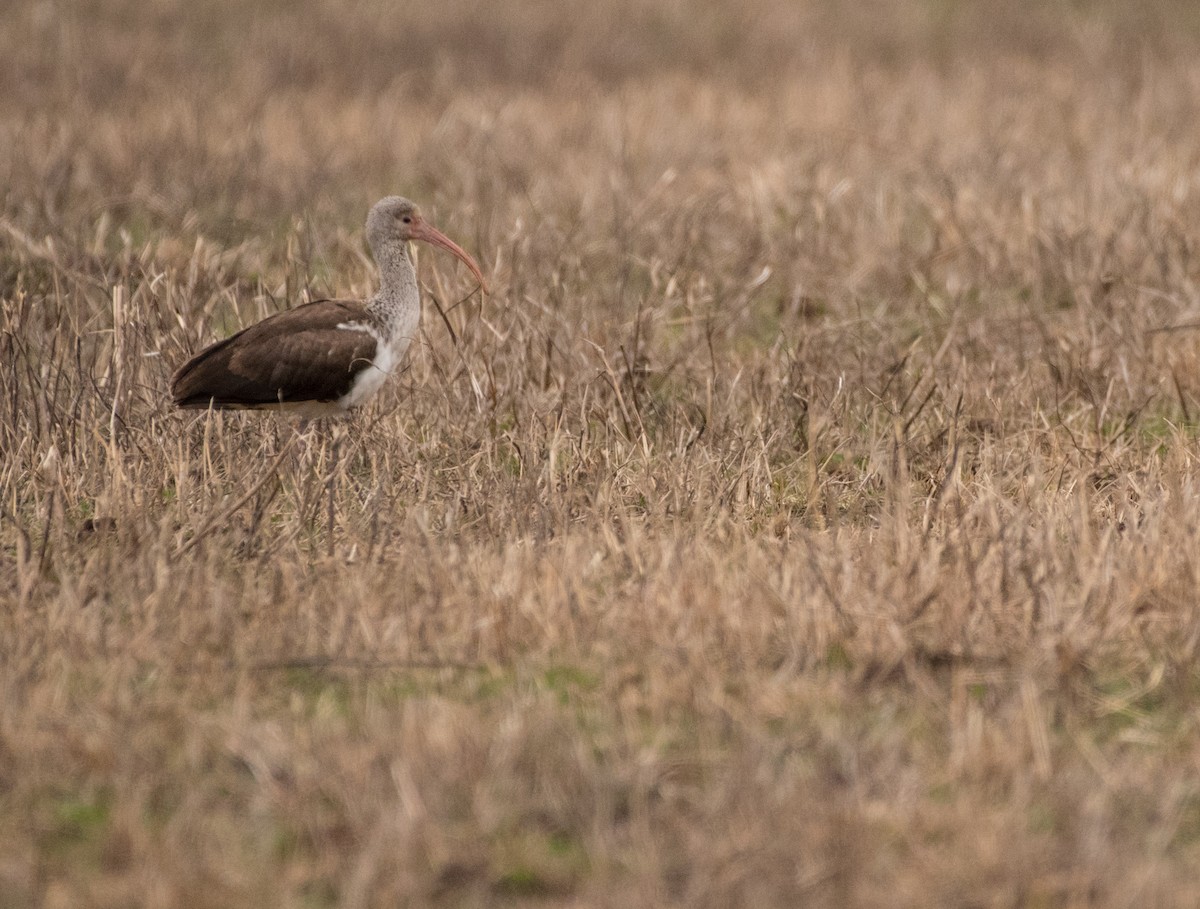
(809,517)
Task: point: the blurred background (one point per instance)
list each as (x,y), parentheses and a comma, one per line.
(235,122)
(234,110)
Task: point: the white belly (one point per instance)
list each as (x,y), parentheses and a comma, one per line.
(371,379)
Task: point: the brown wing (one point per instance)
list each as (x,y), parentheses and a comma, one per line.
(295,356)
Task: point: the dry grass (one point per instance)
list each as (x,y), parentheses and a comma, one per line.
(810,517)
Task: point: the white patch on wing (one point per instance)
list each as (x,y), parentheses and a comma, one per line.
(371,379)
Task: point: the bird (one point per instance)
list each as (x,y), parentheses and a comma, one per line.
(327,357)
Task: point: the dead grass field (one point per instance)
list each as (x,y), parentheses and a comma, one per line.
(810,517)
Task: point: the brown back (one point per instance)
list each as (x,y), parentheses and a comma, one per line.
(300,355)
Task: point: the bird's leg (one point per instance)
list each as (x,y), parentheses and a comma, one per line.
(305,431)
(331,485)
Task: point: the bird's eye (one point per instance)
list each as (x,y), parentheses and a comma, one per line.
(407,219)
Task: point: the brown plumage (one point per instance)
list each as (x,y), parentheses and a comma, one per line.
(304,356)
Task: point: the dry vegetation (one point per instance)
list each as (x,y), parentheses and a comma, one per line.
(810,516)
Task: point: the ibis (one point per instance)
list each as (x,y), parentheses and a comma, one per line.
(327,357)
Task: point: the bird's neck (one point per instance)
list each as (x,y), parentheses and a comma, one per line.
(397,303)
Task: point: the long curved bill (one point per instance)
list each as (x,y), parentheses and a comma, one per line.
(422,230)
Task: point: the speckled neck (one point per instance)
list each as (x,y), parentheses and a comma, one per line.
(397,303)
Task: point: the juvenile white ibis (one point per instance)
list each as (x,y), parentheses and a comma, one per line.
(325,357)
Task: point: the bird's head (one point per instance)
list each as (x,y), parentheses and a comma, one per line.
(395,221)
